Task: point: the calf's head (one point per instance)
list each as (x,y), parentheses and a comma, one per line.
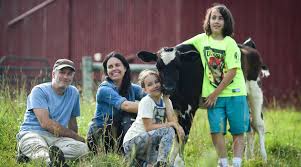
(167,63)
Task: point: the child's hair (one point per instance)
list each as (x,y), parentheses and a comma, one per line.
(143,74)
(228,29)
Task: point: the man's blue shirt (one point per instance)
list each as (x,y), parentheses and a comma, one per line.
(60,107)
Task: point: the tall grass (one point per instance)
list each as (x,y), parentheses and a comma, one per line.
(282,138)
(12,104)
(12,109)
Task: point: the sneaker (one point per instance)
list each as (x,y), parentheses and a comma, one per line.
(160,164)
(220,164)
(56,156)
(92,144)
(21,158)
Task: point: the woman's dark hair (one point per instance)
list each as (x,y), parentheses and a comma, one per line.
(228,29)
(126,81)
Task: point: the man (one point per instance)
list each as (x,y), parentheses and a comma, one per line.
(49,130)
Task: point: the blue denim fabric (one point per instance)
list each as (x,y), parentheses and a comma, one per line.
(150,146)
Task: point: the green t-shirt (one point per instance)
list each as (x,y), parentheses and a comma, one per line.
(218,56)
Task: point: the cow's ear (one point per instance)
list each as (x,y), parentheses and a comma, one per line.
(147,56)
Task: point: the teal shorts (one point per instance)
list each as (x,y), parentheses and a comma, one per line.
(235,109)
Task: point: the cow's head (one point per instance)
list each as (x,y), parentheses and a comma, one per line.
(167,63)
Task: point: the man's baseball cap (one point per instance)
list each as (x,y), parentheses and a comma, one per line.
(62,63)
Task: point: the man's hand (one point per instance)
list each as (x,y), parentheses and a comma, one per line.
(79,138)
(54,127)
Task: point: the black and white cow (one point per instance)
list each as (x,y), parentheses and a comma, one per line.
(182,72)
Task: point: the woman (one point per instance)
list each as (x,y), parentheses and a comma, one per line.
(115,104)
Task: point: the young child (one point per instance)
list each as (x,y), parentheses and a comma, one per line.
(155,125)
(223,85)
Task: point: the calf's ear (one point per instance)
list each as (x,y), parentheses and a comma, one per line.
(147,56)
(249,42)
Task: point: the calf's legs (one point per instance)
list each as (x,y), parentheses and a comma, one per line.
(255,97)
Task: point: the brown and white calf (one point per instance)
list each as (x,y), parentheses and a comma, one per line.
(254,71)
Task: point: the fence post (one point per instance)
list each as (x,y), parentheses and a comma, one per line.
(87,69)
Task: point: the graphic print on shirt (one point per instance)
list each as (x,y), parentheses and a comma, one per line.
(216,62)
(159,114)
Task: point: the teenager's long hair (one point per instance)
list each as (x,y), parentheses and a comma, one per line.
(126,81)
(228,29)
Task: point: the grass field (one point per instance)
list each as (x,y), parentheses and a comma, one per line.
(283,136)
(283,142)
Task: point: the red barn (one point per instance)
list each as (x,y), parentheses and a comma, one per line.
(72,29)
